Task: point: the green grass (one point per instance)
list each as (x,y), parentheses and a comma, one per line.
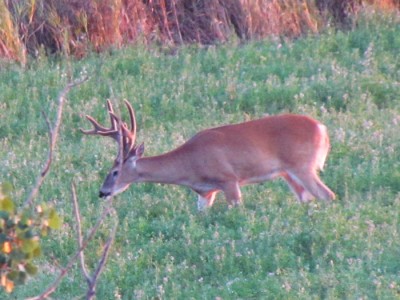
(273,247)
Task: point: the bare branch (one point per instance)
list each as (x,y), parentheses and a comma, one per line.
(103,260)
(91,281)
(79,232)
(53,132)
(50,158)
(51,289)
(107,210)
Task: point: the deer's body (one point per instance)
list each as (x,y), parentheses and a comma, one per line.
(293,147)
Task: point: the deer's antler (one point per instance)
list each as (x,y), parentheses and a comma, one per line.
(118,131)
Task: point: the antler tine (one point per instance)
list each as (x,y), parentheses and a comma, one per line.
(128,140)
(132,118)
(130,133)
(97,127)
(114,123)
(112,132)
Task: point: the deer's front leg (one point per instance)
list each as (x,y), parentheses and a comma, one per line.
(205,200)
(232,193)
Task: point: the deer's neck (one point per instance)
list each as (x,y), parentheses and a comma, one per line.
(165,168)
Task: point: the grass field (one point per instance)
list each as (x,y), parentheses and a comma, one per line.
(271,248)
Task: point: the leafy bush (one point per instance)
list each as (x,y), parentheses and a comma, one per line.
(20,238)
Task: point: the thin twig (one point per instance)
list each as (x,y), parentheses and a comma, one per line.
(100,267)
(82,243)
(47,166)
(51,289)
(53,132)
(91,281)
(79,233)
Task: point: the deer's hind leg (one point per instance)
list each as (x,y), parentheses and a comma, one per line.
(302,194)
(311,183)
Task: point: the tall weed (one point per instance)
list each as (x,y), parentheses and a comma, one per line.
(78,27)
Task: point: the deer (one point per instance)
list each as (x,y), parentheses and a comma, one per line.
(222,159)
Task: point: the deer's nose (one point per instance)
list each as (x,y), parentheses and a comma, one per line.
(104,195)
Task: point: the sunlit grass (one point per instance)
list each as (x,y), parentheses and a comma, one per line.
(272,247)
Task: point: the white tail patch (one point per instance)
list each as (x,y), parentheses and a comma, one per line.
(323,149)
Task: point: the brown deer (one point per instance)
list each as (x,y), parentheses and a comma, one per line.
(224,158)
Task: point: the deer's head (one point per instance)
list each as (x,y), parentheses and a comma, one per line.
(123,172)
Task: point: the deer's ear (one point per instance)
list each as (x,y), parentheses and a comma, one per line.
(139,150)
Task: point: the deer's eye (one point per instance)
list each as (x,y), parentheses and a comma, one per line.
(115,173)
